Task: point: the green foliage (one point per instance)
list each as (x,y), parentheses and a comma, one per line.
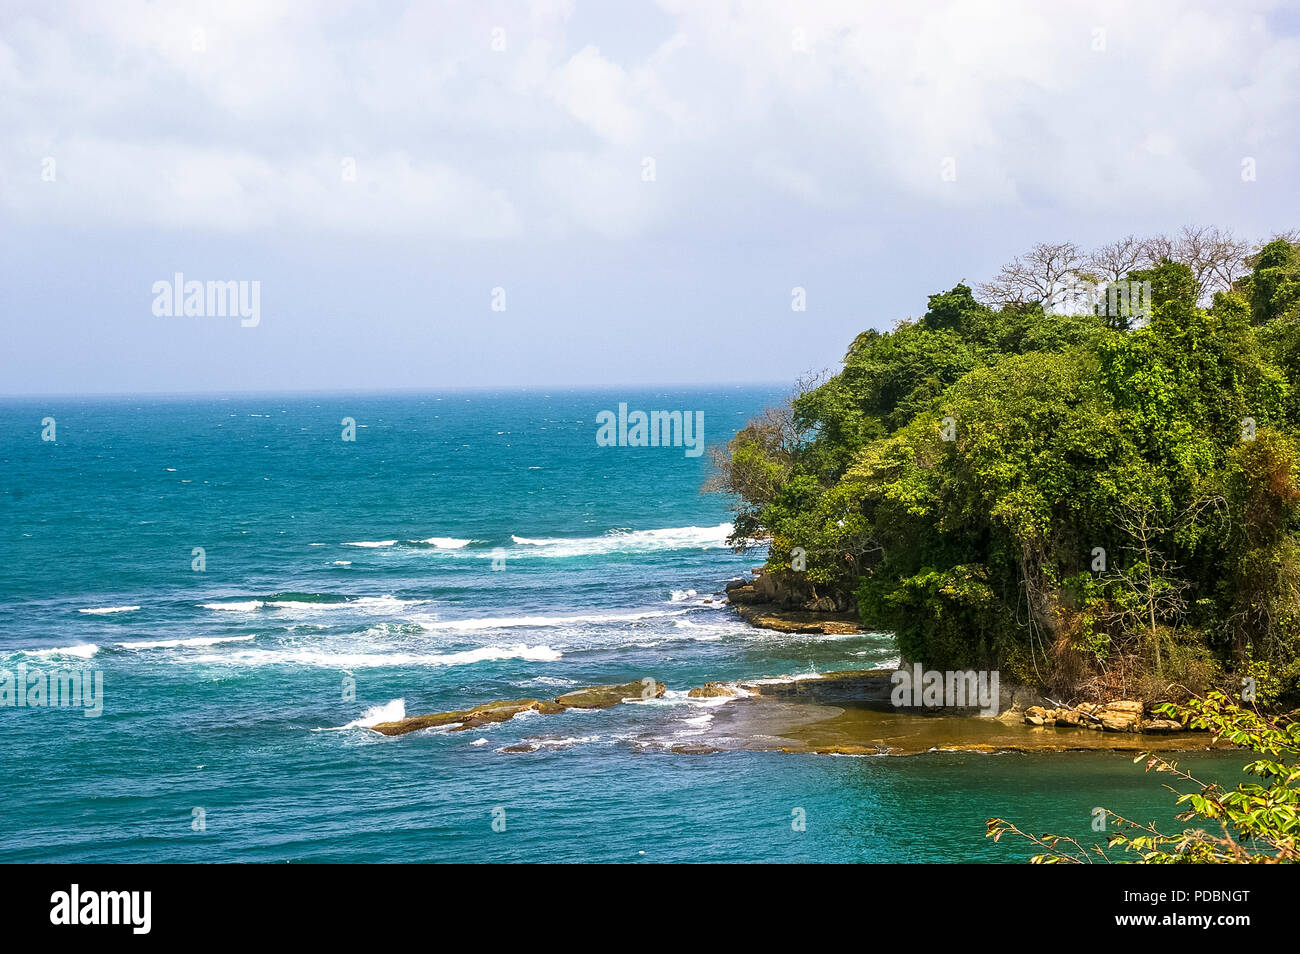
(957,477)
(1275,282)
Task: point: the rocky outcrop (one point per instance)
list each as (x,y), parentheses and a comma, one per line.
(460,720)
(712,690)
(602,697)
(1122,716)
(868,688)
(592,697)
(787,602)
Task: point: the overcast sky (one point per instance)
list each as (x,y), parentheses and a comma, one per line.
(504,146)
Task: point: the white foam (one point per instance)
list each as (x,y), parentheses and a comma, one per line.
(630,541)
(371,544)
(444,543)
(780,680)
(546,681)
(371,604)
(353,660)
(681,596)
(105,610)
(538,744)
(81,651)
(196,641)
(513,622)
(391,711)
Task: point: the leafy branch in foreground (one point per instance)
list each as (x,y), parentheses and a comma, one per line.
(1257,822)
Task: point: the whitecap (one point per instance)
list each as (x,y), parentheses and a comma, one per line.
(245,607)
(176,643)
(392,711)
(353,660)
(444,543)
(630,541)
(512,622)
(81,651)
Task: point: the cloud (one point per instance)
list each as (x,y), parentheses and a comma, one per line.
(237,116)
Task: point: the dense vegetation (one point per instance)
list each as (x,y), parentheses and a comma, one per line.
(1093,492)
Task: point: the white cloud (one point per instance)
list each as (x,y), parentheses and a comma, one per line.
(456,140)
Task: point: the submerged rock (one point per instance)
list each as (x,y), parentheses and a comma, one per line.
(602,697)
(460,720)
(592,697)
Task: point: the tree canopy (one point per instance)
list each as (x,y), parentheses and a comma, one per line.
(1102,499)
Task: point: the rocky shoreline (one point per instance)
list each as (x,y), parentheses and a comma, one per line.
(846,713)
(849,712)
(787,603)
(503,710)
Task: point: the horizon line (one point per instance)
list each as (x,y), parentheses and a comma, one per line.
(381,392)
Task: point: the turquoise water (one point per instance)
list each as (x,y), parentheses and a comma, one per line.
(369,564)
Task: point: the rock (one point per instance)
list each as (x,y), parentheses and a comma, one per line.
(602,697)
(710,690)
(592,697)
(1131,708)
(1035,720)
(865,688)
(500,711)
(799,621)
(1160,725)
(1120,716)
(740,593)
(1036,712)
(788,591)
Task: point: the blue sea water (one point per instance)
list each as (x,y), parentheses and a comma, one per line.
(349,581)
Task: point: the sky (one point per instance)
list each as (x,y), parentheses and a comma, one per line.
(590,194)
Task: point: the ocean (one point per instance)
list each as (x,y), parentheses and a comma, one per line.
(253,589)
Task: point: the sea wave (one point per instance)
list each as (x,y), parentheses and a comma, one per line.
(629,541)
(105,610)
(317,603)
(80,651)
(443,543)
(391,711)
(177,643)
(515,622)
(354,660)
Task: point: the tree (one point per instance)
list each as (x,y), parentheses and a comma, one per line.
(1151,589)
(1112,262)
(1036,276)
(955,475)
